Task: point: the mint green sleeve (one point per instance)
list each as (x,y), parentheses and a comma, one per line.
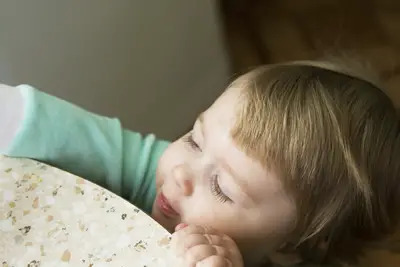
(94,147)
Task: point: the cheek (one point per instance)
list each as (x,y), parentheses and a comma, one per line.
(203,209)
(171,157)
(272,224)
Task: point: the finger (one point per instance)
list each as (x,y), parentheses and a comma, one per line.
(193,229)
(188,242)
(214,261)
(233,251)
(222,251)
(179,236)
(199,253)
(228,240)
(180,226)
(197,239)
(196,229)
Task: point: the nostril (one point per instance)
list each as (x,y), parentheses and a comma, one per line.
(182,176)
(187,187)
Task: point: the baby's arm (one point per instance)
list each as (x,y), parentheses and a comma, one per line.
(97,148)
(11,114)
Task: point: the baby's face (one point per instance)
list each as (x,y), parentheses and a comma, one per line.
(204,178)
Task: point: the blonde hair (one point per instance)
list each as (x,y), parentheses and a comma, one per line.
(333,138)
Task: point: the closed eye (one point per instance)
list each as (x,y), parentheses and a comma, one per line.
(217,191)
(190,141)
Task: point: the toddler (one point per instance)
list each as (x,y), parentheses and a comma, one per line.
(295,163)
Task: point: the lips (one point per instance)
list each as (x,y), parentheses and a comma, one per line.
(165,207)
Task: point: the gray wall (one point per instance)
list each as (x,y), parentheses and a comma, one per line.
(153,64)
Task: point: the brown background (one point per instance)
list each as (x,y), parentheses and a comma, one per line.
(269,31)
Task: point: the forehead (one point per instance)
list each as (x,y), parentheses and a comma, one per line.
(228,102)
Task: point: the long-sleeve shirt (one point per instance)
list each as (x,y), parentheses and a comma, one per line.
(94,147)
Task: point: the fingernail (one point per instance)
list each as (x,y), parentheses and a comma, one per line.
(180,226)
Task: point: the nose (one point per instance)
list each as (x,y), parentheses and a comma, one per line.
(183,179)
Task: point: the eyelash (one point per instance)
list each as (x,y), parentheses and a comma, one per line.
(189,140)
(216,190)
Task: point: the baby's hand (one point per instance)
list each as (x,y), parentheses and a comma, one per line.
(202,246)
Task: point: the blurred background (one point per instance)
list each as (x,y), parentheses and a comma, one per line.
(153,64)
(157,64)
(266,31)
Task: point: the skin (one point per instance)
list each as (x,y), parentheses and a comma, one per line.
(213,184)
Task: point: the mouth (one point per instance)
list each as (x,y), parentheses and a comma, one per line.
(165,207)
